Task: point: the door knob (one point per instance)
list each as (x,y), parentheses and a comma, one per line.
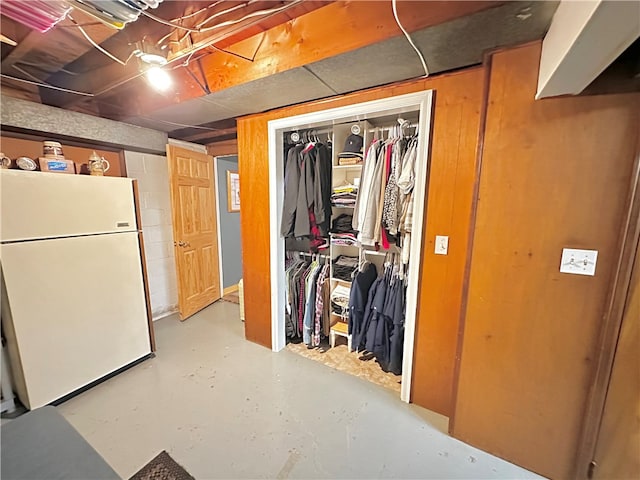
(183,244)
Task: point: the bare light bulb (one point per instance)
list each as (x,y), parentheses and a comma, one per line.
(159,79)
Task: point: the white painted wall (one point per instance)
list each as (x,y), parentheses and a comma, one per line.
(152,174)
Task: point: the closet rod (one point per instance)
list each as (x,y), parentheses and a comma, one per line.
(372,252)
(384,129)
(312,130)
(321,255)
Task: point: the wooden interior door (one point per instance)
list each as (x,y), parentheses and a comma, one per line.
(618,446)
(195,236)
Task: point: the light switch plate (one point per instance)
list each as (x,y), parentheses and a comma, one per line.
(442,245)
(578,262)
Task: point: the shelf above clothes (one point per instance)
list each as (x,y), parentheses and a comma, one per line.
(345,167)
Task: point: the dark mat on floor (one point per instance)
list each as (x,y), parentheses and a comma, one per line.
(232,297)
(163,467)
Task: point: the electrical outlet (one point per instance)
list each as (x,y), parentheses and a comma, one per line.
(578,262)
(442,245)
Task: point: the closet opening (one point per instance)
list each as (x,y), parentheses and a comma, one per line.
(348,192)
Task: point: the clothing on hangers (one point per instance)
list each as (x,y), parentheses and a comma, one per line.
(307,317)
(307,191)
(378,329)
(358,297)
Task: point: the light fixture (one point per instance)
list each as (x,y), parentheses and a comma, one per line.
(150,53)
(153,59)
(159,79)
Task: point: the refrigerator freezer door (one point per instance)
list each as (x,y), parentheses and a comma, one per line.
(47,205)
(78,311)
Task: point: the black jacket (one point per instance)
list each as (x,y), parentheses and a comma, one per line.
(358,298)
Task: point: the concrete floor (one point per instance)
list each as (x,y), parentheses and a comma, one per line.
(226,408)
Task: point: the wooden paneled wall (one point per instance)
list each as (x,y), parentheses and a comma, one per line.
(555,173)
(455,130)
(19,147)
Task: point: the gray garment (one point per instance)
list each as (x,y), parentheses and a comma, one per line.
(291,184)
(368,233)
(365,181)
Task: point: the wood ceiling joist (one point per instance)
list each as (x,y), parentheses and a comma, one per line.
(211,135)
(337,28)
(334,29)
(50,51)
(113,79)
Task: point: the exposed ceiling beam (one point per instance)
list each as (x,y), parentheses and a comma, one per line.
(337,28)
(54,49)
(325,32)
(210,135)
(107,80)
(584,38)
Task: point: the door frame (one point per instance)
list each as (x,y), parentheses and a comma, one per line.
(422,101)
(218,203)
(217,187)
(612,324)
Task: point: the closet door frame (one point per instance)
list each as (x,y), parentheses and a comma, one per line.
(396,105)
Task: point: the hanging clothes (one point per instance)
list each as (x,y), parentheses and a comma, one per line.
(358,297)
(291,184)
(307,314)
(321,322)
(379,329)
(307,191)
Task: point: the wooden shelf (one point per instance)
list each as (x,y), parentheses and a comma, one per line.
(344,167)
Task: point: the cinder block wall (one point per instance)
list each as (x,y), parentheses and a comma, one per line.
(152,174)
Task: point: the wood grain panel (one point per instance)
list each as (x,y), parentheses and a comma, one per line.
(455,133)
(555,173)
(203,171)
(457,106)
(186,206)
(20,147)
(618,448)
(204,205)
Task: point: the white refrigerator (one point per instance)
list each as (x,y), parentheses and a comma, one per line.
(73,298)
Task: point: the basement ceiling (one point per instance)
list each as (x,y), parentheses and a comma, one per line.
(67,60)
(449,46)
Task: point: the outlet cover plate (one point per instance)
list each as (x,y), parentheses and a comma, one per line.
(578,262)
(442,245)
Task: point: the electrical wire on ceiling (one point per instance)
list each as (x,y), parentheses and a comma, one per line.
(196,28)
(96,45)
(200,28)
(406,34)
(76,92)
(199,127)
(197,12)
(40,83)
(250,15)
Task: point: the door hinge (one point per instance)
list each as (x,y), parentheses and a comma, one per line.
(592,467)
